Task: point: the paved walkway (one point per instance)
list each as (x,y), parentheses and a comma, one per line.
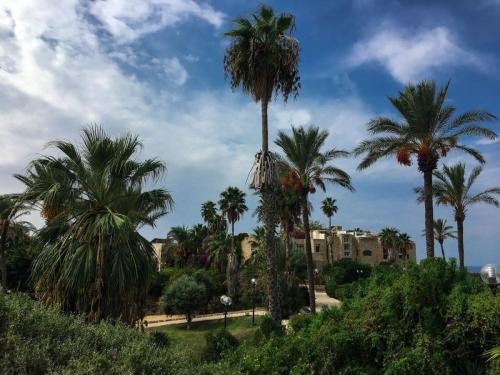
(163,320)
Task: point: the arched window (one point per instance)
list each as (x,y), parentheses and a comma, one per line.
(367,253)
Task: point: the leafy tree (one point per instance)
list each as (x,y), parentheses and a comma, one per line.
(232,205)
(262,59)
(219,248)
(309,166)
(185,296)
(453,188)
(94,260)
(12,229)
(427,132)
(329,208)
(442,231)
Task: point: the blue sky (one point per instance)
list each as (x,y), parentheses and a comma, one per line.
(154,67)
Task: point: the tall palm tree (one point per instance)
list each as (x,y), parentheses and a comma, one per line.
(232,205)
(309,166)
(11,210)
(453,188)
(329,208)
(94,260)
(219,248)
(428,131)
(262,59)
(389,241)
(442,231)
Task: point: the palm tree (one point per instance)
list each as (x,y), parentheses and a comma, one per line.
(389,239)
(404,243)
(262,59)
(208,211)
(179,242)
(11,209)
(308,167)
(94,260)
(428,132)
(219,248)
(452,188)
(442,231)
(329,208)
(232,205)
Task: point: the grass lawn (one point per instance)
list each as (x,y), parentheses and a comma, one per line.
(193,340)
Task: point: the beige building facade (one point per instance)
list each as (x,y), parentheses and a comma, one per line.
(357,245)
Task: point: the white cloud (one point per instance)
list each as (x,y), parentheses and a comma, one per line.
(175,71)
(410,56)
(131,19)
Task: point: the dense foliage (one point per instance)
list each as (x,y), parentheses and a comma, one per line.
(431,319)
(185,296)
(218,343)
(94,200)
(35,339)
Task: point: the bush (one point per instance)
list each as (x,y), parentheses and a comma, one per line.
(37,340)
(185,296)
(217,344)
(159,339)
(268,327)
(430,319)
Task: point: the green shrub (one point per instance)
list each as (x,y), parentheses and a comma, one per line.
(185,296)
(217,344)
(269,327)
(159,339)
(37,340)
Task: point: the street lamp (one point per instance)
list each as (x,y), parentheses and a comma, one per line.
(490,275)
(226,302)
(254,285)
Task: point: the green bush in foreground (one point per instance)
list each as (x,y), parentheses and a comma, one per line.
(35,339)
(431,319)
(218,343)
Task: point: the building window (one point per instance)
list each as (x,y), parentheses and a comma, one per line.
(367,253)
(316,247)
(347,246)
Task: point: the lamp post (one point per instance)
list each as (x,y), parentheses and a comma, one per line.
(254,285)
(226,302)
(316,273)
(490,275)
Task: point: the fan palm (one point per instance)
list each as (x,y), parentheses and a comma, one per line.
(309,167)
(388,238)
(232,205)
(453,188)
(219,247)
(263,59)
(180,243)
(94,202)
(208,211)
(404,243)
(428,131)
(442,231)
(11,210)
(329,208)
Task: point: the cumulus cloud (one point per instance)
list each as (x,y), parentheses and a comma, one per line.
(410,56)
(131,19)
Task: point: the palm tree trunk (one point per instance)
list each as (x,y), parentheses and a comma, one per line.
(230,267)
(3,254)
(460,241)
(272,264)
(429,214)
(265,136)
(442,249)
(309,259)
(327,240)
(269,228)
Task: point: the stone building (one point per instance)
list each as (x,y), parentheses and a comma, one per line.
(358,245)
